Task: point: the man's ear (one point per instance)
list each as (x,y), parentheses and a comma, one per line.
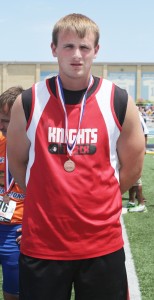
(53,49)
(96,51)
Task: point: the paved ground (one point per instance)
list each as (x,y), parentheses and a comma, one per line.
(133,283)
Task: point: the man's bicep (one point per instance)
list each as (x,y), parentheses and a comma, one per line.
(127,150)
(131,143)
(17,140)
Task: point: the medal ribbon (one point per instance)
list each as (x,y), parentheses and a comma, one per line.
(70,148)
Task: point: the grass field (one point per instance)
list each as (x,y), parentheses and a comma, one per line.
(140,230)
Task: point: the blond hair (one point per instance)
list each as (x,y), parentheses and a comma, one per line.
(78,23)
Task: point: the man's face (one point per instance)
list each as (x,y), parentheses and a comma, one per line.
(75,55)
(4,119)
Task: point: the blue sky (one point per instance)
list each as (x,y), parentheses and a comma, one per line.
(126,28)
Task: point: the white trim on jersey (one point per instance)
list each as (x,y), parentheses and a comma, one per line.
(43,93)
(104,101)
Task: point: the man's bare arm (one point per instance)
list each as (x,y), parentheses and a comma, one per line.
(130,148)
(17,143)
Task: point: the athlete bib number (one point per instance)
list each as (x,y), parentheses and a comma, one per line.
(6,210)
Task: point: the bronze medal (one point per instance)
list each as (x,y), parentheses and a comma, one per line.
(69,165)
(6,198)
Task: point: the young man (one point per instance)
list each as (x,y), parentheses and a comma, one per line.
(77,144)
(11,205)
